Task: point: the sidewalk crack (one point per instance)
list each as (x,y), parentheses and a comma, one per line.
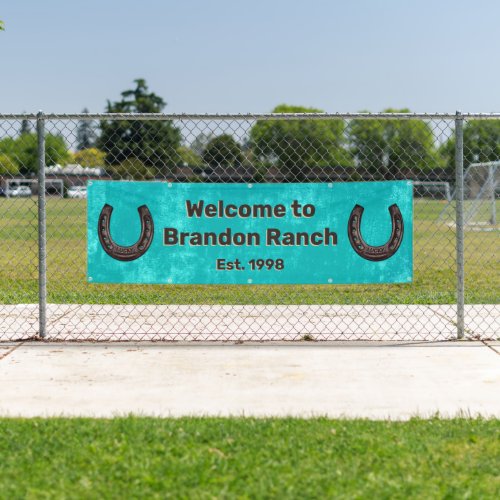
(493,348)
(10,351)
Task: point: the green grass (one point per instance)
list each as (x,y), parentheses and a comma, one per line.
(249,458)
(434,267)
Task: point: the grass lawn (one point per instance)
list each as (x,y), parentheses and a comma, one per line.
(249,458)
(434,267)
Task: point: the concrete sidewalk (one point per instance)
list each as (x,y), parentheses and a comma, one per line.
(394,381)
(249,323)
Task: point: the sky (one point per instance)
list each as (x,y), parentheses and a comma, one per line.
(222,56)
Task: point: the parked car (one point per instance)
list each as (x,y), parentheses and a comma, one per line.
(19,191)
(77,192)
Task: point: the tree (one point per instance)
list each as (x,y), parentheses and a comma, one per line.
(200,142)
(91,157)
(23,150)
(390,148)
(25,127)
(7,165)
(223,152)
(296,146)
(153,143)
(481,143)
(131,168)
(86,134)
(189,157)
(2,26)
(369,144)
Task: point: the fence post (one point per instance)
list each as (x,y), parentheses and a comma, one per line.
(491,175)
(42,228)
(459,199)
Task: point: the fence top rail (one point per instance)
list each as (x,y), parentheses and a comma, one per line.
(248,116)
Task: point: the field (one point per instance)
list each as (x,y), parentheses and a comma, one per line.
(248,458)
(434,266)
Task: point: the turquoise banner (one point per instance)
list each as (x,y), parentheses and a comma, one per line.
(332,233)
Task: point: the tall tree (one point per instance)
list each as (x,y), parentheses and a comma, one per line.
(153,143)
(296,146)
(25,127)
(391,148)
(86,134)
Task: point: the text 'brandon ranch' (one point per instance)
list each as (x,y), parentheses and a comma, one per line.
(272,236)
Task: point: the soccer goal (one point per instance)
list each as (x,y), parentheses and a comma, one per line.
(54,187)
(436,190)
(481,197)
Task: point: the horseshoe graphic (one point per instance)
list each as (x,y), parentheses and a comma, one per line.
(119,252)
(369,252)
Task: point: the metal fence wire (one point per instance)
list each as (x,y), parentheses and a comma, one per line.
(46,161)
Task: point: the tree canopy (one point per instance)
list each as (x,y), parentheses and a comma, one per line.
(7,165)
(131,168)
(189,157)
(481,143)
(223,151)
(297,145)
(23,151)
(387,148)
(153,143)
(91,157)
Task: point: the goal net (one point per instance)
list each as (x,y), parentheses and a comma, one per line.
(436,190)
(481,197)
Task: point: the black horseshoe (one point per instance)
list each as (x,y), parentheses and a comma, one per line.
(369,252)
(120,252)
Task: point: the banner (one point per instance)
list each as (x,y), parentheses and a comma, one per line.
(179,233)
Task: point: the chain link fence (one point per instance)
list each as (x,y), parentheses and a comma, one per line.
(46,162)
